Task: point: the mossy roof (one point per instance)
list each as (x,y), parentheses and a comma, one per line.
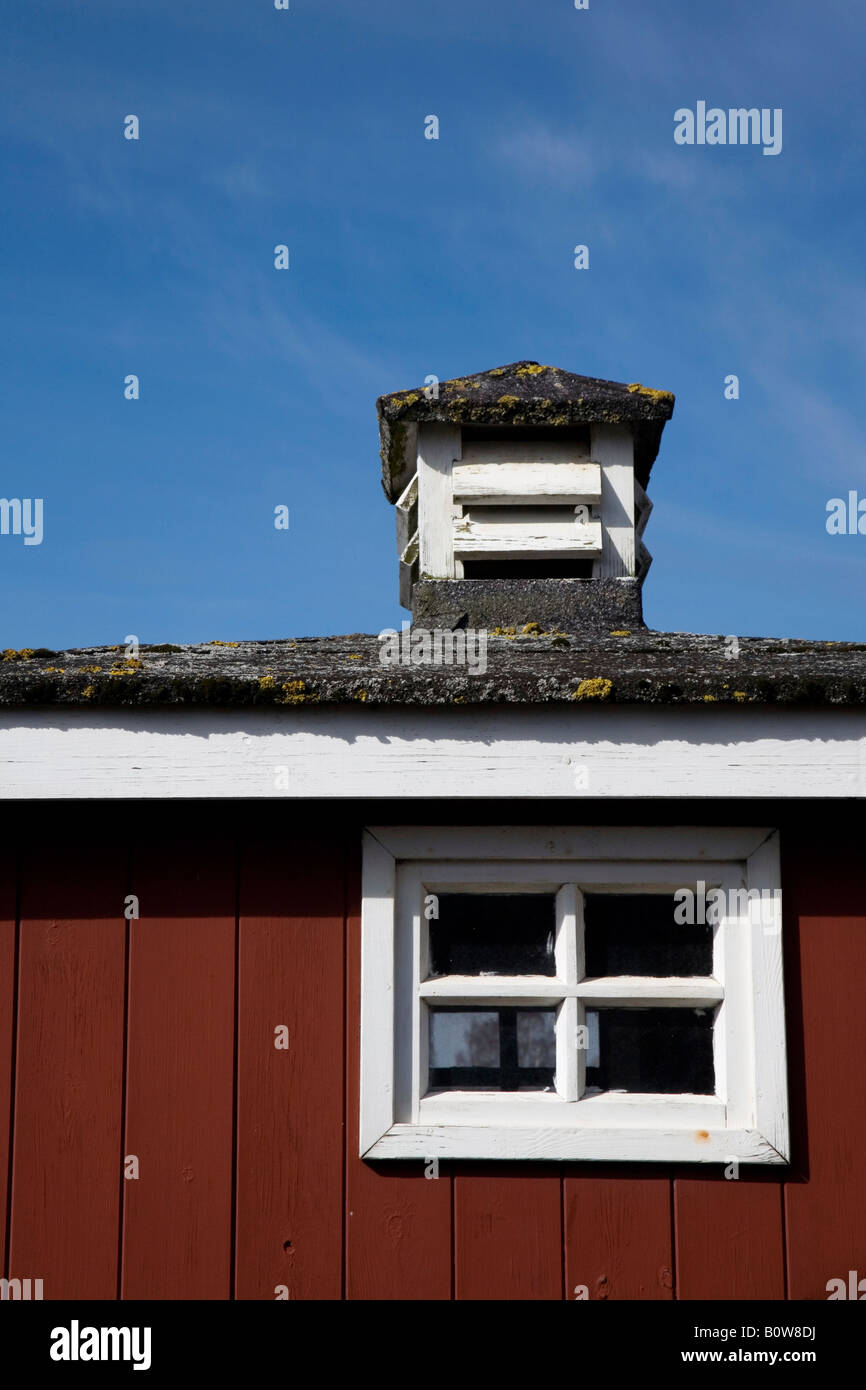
(643,668)
(519,394)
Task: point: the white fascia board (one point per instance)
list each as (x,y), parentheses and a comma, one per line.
(526,752)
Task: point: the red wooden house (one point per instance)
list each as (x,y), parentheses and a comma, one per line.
(516,955)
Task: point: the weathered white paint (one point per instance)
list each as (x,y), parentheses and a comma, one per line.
(613,449)
(377,982)
(511,752)
(523,484)
(692,1145)
(438,447)
(406,514)
(769,1016)
(478,539)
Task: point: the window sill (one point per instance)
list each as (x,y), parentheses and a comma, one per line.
(670,1143)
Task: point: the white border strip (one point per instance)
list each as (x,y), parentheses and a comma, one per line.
(496,751)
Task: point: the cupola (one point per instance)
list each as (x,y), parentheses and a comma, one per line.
(520,495)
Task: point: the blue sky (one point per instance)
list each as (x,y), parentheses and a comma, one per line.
(408,257)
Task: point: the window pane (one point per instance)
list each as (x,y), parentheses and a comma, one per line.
(536,1038)
(503,1049)
(636,934)
(464,1038)
(662,1050)
(493,934)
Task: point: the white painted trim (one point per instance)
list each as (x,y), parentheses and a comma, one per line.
(479,540)
(746,1119)
(768,993)
(525,484)
(657,844)
(575,1145)
(406,514)
(613,449)
(511,752)
(548,1108)
(655,993)
(378,883)
(438,447)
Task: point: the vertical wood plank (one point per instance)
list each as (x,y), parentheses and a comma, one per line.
(826,965)
(618,1237)
(290,1101)
(729,1238)
(8,908)
(508,1235)
(438,447)
(398,1223)
(177,1225)
(613,449)
(68,1088)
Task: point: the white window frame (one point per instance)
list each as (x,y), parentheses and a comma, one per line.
(747,1119)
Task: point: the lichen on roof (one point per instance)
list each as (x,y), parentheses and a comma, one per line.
(525,666)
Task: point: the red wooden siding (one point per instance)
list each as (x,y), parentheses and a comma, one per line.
(290,1101)
(179,1092)
(729,1237)
(69,1070)
(825,1201)
(8,912)
(618,1236)
(155,1038)
(507,1235)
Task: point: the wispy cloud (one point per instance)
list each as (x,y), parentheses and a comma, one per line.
(539,153)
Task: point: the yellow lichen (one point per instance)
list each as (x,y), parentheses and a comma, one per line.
(360,695)
(296,693)
(648,391)
(60,670)
(739,695)
(532,630)
(90,670)
(88,691)
(216,643)
(596,688)
(531,369)
(267,683)
(496,371)
(709,697)
(509,400)
(503,632)
(10,654)
(620,632)
(131,663)
(355,656)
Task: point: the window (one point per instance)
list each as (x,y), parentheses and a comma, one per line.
(595,993)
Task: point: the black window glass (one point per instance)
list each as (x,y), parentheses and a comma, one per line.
(636,934)
(493,934)
(669,1051)
(505,1049)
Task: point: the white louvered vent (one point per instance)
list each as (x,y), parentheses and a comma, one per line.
(562,503)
